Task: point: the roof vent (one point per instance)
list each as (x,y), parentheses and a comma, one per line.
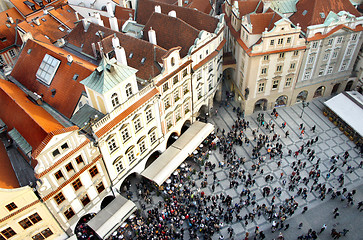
(304,12)
(131,54)
(108,67)
(75,77)
(172,13)
(36,21)
(322,15)
(143,60)
(69,59)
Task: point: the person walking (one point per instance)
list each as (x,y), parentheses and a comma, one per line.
(322,228)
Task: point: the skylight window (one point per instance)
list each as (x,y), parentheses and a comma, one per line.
(143,60)
(304,12)
(322,15)
(131,54)
(61,29)
(47,69)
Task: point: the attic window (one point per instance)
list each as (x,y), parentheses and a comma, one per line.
(44,20)
(2,38)
(131,54)
(322,15)
(47,69)
(29,51)
(61,29)
(143,60)
(75,77)
(304,12)
(53,92)
(68,10)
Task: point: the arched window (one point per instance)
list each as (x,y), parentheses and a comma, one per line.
(302,96)
(114,100)
(128,90)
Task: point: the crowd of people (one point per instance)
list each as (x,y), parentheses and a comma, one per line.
(187,208)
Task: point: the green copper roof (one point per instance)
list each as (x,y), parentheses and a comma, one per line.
(284,6)
(20,141)
(108,75)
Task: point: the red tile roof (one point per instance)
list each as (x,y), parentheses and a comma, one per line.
(261,21)
(48,27)
(308,11)
(139,48)
(68,91)
(8,178)
(247,7)
(17,111)
(124,13)
(195,18)
(66,15)
(168,32)
(26,11)
(319,36)
(9,33)
(202,5)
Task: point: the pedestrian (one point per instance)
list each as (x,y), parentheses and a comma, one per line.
(322,228)
(313,129)
(300,225)
(336,215)
(287,133)
(301,126)
(287,226)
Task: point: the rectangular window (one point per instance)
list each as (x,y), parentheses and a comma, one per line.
(85,200)
(64,146)
(112,146)
(321,71)
(296,53)
(339,40)
(11,206)
(47,69)
(152,136)
(330,70)
(79,159)
(69,213)
(280,41)
(165,87)
(307,75)
(77,184)
(315,45)
(35,218)
(69,167)
(292,66)
(131,155)
(265,58)
(93,171)
(279,68)
(58,175)
(326,56)
(59,198)
(275,84)
(169,123)
(288,40)
(264,71)
(354,37)
(210,67)
(149,114)
(272,42)
(56,153)
(311,59)
(176,95)
(335,54)
(118,165)
(166,103)
(125,134)
(330,41)
(142,146)
(185,72)
(344,66)
(349,51)
(25,223)
(175,79)
(186,107)
(12,53)
(281,55)
(185,88)
(8,233)
(177,115)
(288,82)
(37,237)
(128,90)
(261,87)
(2,60)
(100,187)
(47,233)
(137,124)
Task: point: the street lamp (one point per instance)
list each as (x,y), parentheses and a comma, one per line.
(304,105)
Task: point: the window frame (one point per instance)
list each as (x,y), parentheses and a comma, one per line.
(69,213)
(59,198)
(77,184)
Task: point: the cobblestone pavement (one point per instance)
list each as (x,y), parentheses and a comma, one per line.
(331,142)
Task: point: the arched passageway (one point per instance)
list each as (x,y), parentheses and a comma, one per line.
(260,105)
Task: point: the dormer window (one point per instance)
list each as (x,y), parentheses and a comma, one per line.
(128,90)
(47,69)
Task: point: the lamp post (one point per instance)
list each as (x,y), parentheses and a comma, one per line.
(304,105)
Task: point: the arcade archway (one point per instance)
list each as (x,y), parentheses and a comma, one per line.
(172,138)
(106,201)
(260,105)
(152,158)
(319,92)
(281,101)
(302,96)
(349,85)
(185,126)
(335,88)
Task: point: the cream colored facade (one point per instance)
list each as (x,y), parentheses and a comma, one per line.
(72,177)
(24,216)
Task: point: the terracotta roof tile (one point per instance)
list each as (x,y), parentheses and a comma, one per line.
(17,111)
(319,36)
(168,31)
(124,13)
(8,178)
(139,48)
(26,11)
(202,5)
(67,90)
(308,11)
(195,18)
(66,15)
(126,113)
(247,7)
(261,21)
(48,27)
(6,32)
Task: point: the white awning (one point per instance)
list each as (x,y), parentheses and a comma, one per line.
(348,107)
(174,155)
(112,216)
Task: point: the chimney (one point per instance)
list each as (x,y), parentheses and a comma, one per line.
(101,48)
(152,36)
(109,8)
(77,16)
(94,50)
(10,19)
(36,21)
(114,23)
(158,9)
(97,19)
(180,3)
(115,41)
(121,55)
(85,24)
(69,59)
(172,14)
